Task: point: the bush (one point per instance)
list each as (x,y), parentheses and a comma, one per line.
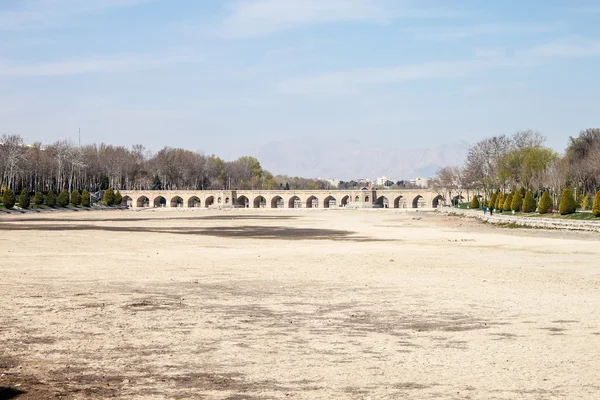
(507,201)
(545,205)
(50,199)
(586,202)
(596,206)
(475,202)
(529,203)
(118,198)
(522,192)
(85,198)
(517,202)
(567,203)
(38,199)
(24,200)
(63,198)
(75,197)
(8,198)
(499,202)
(109,197)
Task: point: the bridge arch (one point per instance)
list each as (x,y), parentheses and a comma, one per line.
(357,199)
(209,201)
(418,201)
(242,202)
(399,202)
(277,202)
(382,202)
(344,201)
(294,202)
(312,202)
(127,201)
(260,202)
(367,199)
(176,201)
(142,201)
(194,201)
(329,202)
(159,201)
(436,201)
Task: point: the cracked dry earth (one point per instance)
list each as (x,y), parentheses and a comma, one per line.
(256,304)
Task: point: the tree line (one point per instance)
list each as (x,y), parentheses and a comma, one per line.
(63,165)
(517,172)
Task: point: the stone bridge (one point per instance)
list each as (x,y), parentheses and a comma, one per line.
(409,198)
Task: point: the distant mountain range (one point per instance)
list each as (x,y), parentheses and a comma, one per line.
(350,159)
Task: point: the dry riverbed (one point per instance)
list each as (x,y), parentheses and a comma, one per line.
(257,304)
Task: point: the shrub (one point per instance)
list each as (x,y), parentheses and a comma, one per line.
(85,198)
(24,200)
(63,198)
(118,198)
(499,202)
(567,203)
(586,202)
(522,192)
(109,197)
(8,198)
(517,202)
(529,203)
(507,201)
(38,198)
(50,199)
(545,204)
(492,202)
(75,197)
(596,206)
(475,202)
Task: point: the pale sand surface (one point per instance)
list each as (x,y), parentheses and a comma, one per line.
(254,304)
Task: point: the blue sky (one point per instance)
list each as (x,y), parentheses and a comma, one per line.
(226,77)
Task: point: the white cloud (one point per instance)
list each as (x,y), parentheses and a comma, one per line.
(254,18)
(459,33)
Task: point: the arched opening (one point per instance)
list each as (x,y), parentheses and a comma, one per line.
(218,200)
(277,202)
(210,200)
(241,202)
(160,202)
(382,202)
(436,201)
(127,201)
(357,199)
(294,202)
(194,201)
(312,202)
(345,200)
(260,202)
(329,202)
(418,202)
(456,200)
(227,200)
(142,201)
(367,199)
(176,202)
(399,202)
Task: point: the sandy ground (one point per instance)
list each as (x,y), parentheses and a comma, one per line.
(254,304)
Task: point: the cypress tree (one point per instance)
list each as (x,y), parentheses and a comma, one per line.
(586,202)
(8,198)
(24,200)
(507,202)
(75,197)
(492,202)
(109,197)
(475,202)
(38,199)
(545,203)
(516,202)
(63,198)
(596,206)
(568,205)
(85,198)
(522,192)
(500,202)
(118,198)
(529,203)
(50,199)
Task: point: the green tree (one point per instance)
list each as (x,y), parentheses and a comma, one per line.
(500,202)
(522,192)
(50,199)
(8,198)
(24,199)
(586,202)
(568,205)
(475,202)
(118,198)
(492,202)
(507,202)
(85,198)
(545,204)
(109,197)
(596,206)
(529,203)
(38,198)
(75,197)
(63,198)
(517,201)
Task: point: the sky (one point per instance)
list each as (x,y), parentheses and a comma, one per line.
(227,77)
